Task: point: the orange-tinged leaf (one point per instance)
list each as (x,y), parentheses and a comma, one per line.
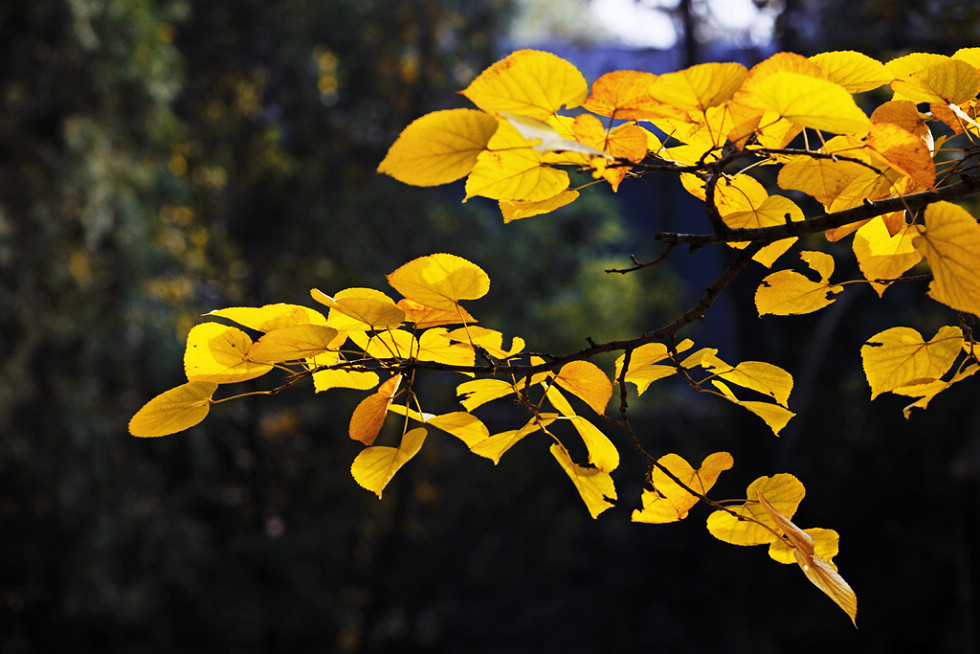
(375,466)
(903,113)
(947,81)
(587,382)
(292,343)
(751,524)
(359,309)
(512,210)
(440,281)
(440,147)
(175,410)
(950,242)
(854,71)
(624,94)
(511,169)
(217,353)
(369,415)
(670,502)
(497,445)
(900,357)
(270,316)
(425,317)
(785,292)
(823,179)
(820,572)
(904,151)
(883,256)
(361,380)
(528,82)
(826,544)
(594,486)
(811,102)
(699,87)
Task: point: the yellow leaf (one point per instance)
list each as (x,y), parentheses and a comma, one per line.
(823,179)
(369,415)
(854,71)
(899,357)
(375,466)
(904,151)
(950,242)
(602,453)
(587,382)
(510,169)
(440,147)
(495,446)
(669,502)
(926,392)
(545,138)
(811,102)
(440,281)
(292,343)
(217,353)
(774,415)
(477,392)
(530,83)
(751,524)
(464,426)
(882,256)
(969,55)
(489,339)
(270,316)
(624,94)
(436,345)
(761,377)
(361,380)
(359,309)
(947,81)
(594,486)
(643,369)
(515,209)
(821,573)
(825,544)
(785,293)
(425,317)
(175,410)
(390,344)
(699,87)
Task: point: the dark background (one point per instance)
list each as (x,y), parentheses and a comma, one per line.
(162,159)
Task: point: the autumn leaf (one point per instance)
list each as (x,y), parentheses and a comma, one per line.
(440,281)
(644,360)
(854,71)
(495,446)
(440,147)
(461,424)
(270,316)
(515,209)
(926,392)
(882,256)
(369,415)
(594,486)
(904,151)
(699,87)
(218,353)
(950,242)
(587,382)
(623,94)
(425,317)
(811,102)
(175,410)
(528,82)
(361,380)
(375,466)
(900,357)
(292,343)
(786,292)
(750,523)
(477,392)
(669,501)
(511,169)
(946,81)
(360,308)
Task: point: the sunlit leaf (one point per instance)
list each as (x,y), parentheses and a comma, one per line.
(425,317)
(440,147)
(624,94)
(217,353)
(477,392)
(464,426)
(515,210)
(926,392)
(854,71)
(785,292)
(375,466)
(292,343)
(440,281)
(369,415)
(530,83)
(950,242)
(900,357)
(270,316)
(546,138)
(883,256)
(775,416)
(826,544)
(175,410)
(489,339)
(495,446)
(361,380)
(436,345)
(643,368)
(699,87)
(904,151)
(947,81)
(594,486)
(669,501)
(587,382)
(750,523)
(511,169)
(360,308)
(811,102)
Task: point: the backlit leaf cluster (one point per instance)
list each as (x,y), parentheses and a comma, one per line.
(870,156)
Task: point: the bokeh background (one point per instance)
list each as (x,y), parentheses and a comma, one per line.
(159,159)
